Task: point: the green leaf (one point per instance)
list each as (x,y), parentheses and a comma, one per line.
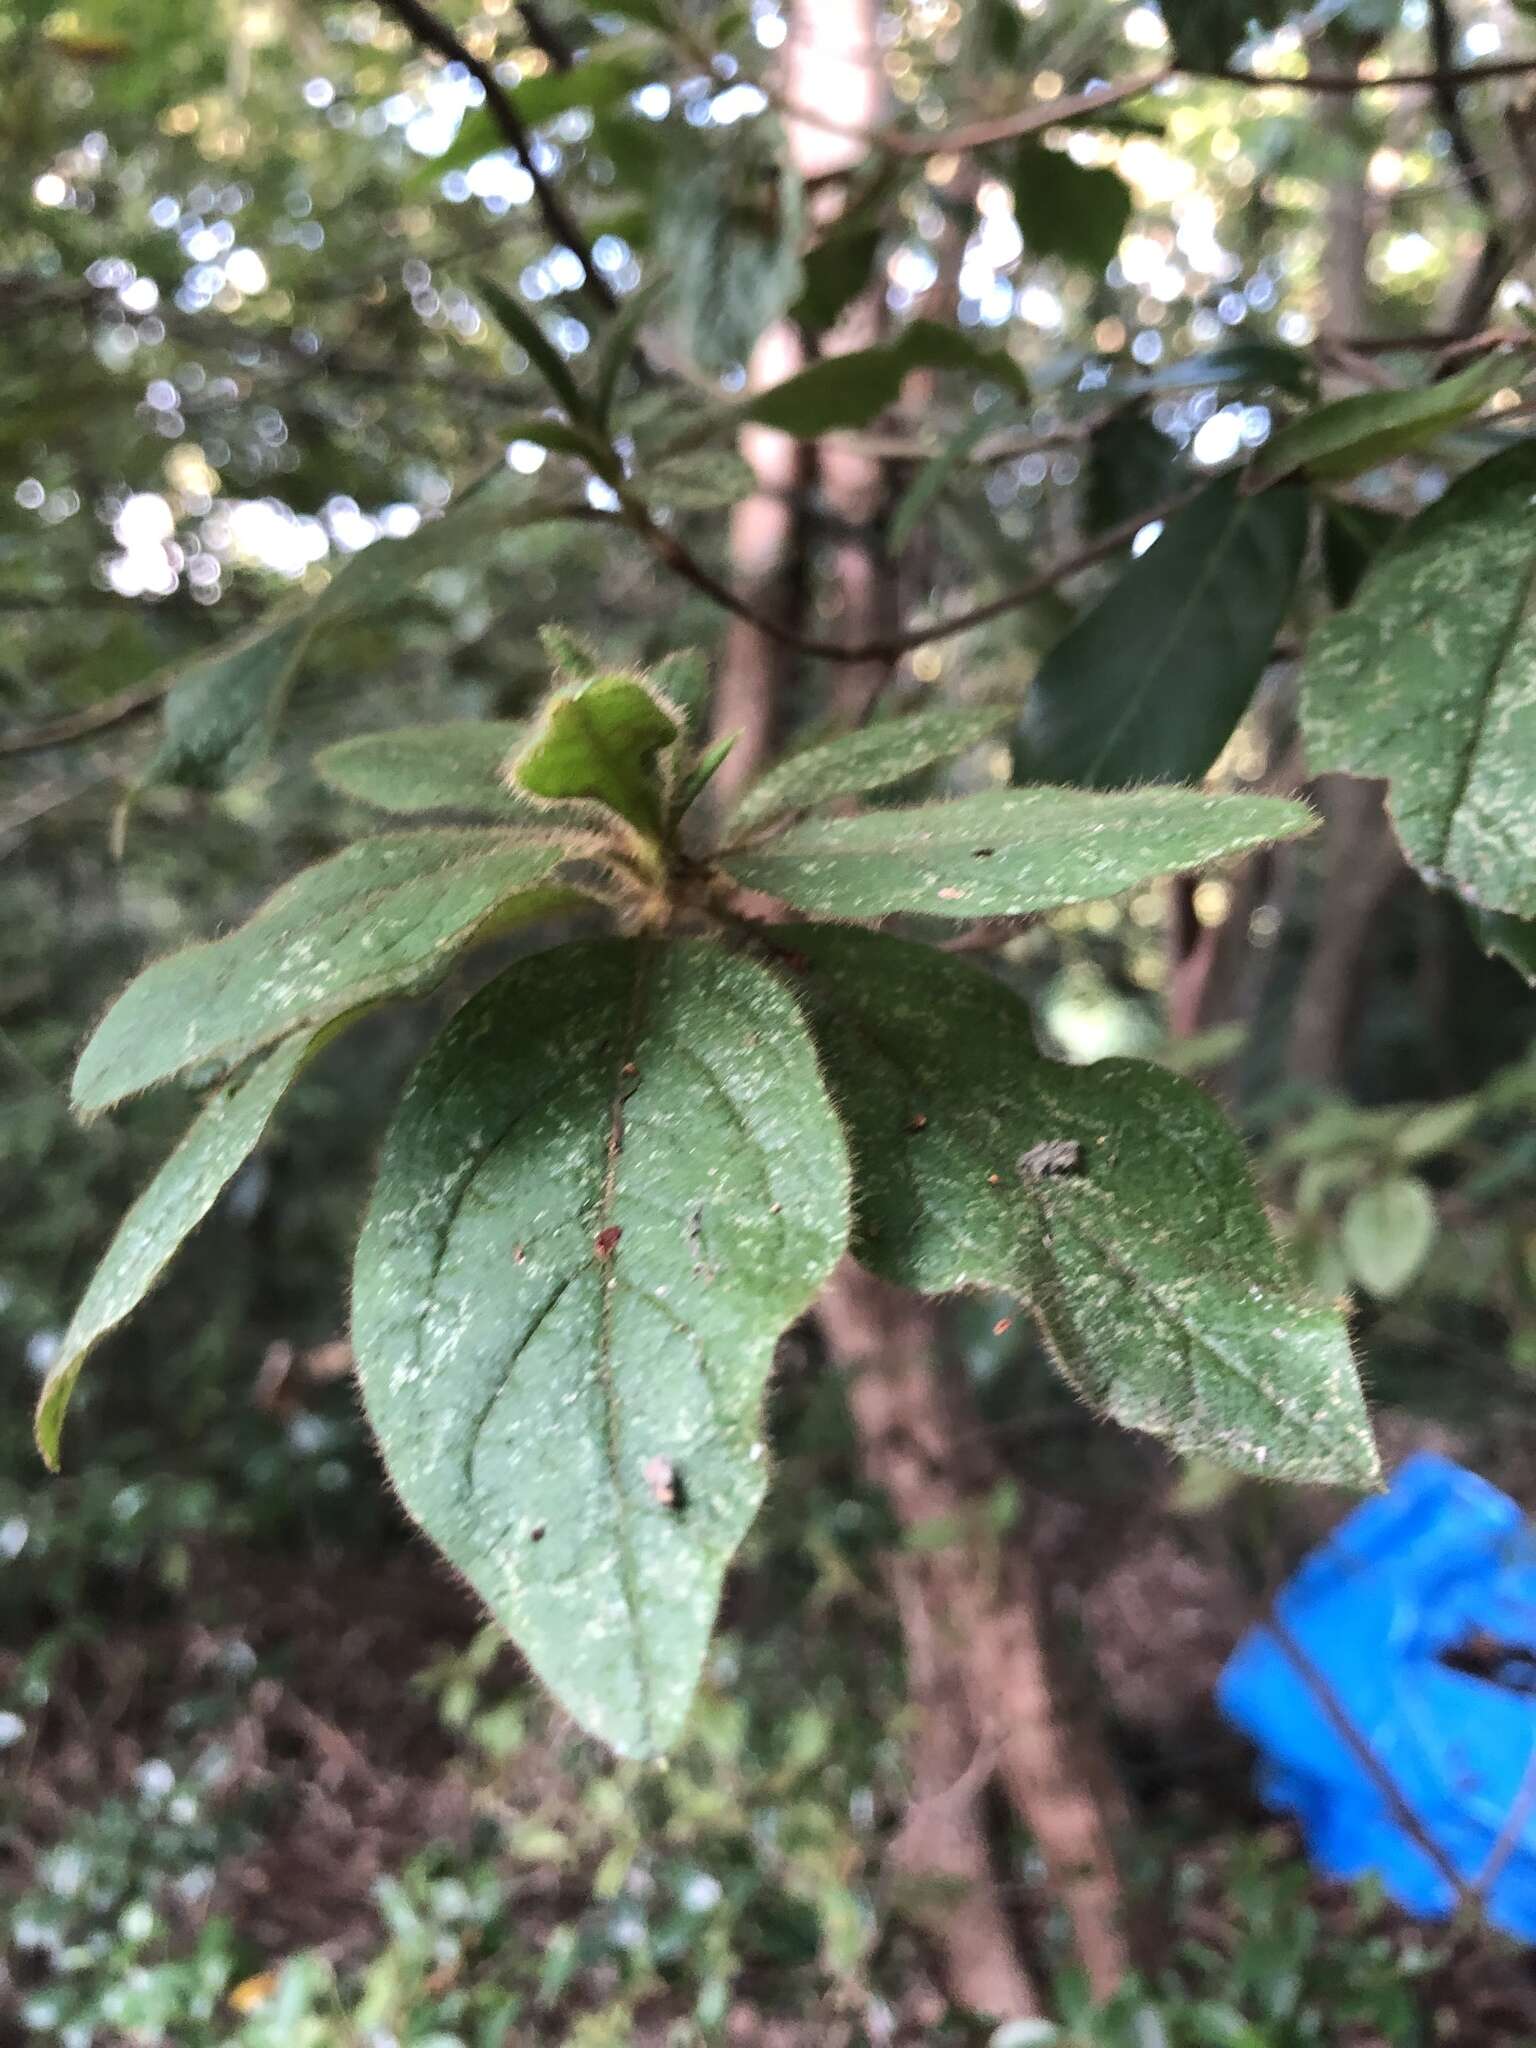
(852,390)
(1353,536)
(1207,33)
(1007,851)
(1355,434)
(430,768)
(931,479)
(728,235)
(1508,938)
(222,709)
(495,503)
(703,773)
(1067,209)
(1429,679)
(379,918)
(1131,469)
(1236,363)
(1386,1232)
(168,1211)
(836,270)
(873,758)
(221,712)
(522,327)
(1148,686)
(1114,1198)
(599,743)
(560,437)
(596,82)
(612,1183)
(618,347)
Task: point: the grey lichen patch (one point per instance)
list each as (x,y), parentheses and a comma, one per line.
(1129,1222)
(612,1109)
(1429,679)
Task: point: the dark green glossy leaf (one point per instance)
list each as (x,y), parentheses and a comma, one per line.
(1131,470)
(1512,939)
(1114,1198)
(380,918)
(1066,209)
(1353,536)
(1207,33)
(613,1182)
(1148,686)
(1356,434)
(853,389)
(1007,851)
(836,270)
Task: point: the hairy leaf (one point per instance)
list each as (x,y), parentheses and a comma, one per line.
(1007,851)
(599,743)
(379,918)
(853,389)
(1355,434)
(429,768)
(1148,686)
(167,1212)
(1075,211)
(872,758)
(613,1181)
(1429,679)
(1114,1198)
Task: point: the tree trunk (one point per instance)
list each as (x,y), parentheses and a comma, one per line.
(979,1605)
(982,1700)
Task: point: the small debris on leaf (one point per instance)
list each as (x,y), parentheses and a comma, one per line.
(1051,1158)
(660,1475)
(917,1121)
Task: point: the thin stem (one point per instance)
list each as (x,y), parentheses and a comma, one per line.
(437,36)
(671,552)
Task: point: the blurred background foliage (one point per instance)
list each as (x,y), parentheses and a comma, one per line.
(265,1781)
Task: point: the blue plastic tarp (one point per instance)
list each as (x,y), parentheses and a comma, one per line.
(1441,1567)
